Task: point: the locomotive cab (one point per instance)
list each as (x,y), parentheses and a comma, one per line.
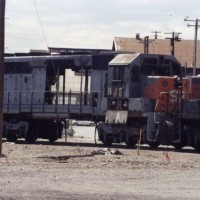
(128,76)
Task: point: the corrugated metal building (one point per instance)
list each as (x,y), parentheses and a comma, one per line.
(183,48)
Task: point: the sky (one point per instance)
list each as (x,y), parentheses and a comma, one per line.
(39,24)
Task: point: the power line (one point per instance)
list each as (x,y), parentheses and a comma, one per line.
(43,32)
(196,25)
(56,70)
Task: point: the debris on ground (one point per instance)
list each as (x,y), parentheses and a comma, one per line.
(106,151)
(166,156)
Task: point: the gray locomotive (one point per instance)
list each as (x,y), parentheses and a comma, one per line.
(35,104)
(147,93)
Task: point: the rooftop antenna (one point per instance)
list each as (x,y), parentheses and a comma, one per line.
(138,36)
(156,34)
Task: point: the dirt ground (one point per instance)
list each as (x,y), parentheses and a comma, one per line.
(79,169)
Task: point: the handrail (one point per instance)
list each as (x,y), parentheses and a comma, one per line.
(34,100)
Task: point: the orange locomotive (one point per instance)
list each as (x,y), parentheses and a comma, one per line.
(175,119)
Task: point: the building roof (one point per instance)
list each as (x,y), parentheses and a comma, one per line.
(183,48)
(79,51)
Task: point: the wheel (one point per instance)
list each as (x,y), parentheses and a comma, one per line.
(178,146)
(31,134)
(53,136)
(100,135)
(52,139)
(30,137)
(153,144)
(107,142)
(54,130)
(11,136)
(131,142)
(197,144)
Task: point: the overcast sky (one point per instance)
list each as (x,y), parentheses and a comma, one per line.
(92,23)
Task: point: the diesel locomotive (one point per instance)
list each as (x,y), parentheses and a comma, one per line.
(36,104)
(150,94)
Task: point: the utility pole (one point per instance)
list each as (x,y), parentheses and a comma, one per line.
(175,37)
(196,25)
(145,41)
(146,44)
(155,34)
(2,27)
